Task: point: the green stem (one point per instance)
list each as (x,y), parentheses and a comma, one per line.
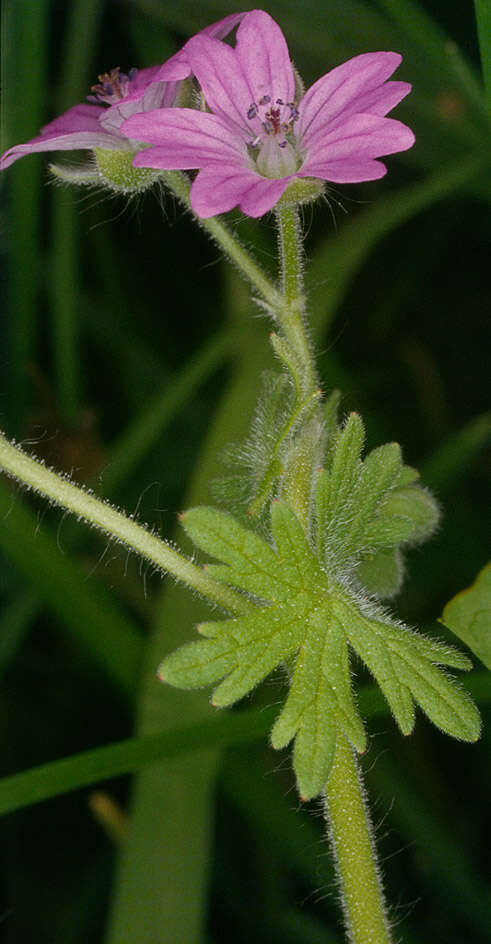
(292,312)
(354,850)
(113,523)
(345,807)
(220,233)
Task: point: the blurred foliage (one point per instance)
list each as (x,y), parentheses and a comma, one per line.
(130,358)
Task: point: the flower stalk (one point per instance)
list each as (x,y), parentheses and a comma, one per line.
(344,809)
(116,525)
(351,837)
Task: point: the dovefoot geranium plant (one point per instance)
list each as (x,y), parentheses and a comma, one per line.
(312,542)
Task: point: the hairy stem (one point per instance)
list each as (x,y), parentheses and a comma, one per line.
(62,492)
(291,313)
(221,234)
(354,851)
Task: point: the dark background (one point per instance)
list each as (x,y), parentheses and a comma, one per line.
(108,301)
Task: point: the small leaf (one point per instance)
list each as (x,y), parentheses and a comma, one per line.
(468,615)
(300,564)
(331,411)
(313,753)
(252,564)
(346,465)
(367,638)
(445,702)
(416,507)
(382,572)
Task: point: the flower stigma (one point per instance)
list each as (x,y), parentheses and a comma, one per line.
(278,154)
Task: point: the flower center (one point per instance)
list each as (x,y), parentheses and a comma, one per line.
(112,87)
(274,147)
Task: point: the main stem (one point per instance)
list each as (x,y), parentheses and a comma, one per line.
(345,808)
(354,850)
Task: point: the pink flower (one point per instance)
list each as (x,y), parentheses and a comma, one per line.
(114,99)
(257,137)
(89,126)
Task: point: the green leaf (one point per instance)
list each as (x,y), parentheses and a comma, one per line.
(468,615)
(312,617)
(382,573)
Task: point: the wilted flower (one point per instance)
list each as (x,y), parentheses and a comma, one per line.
(258,135)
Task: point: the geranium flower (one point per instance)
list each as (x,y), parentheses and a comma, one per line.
(257,136)
(114,98)
(97,125)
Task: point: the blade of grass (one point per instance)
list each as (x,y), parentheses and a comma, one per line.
(230,728)
(483,18)
(84,608)
(78,45)
(147,428)
(335,262)
(162,885)
(24,38)
(453,457)
(15,624)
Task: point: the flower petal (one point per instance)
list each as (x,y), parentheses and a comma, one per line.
(346,171)
(342,89)
(218,189)
(263,54)
(226,87)
(178,67)
(360,137)
(153,95)
(185,139)
(77,129)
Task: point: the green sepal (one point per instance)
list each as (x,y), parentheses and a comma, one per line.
(116,170)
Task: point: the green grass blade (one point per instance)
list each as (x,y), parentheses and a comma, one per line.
(146,429)
(24,39)
(79,42)
(123,757)
(85,609)
(336,261)
(483,17)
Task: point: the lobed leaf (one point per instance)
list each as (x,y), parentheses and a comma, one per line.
(445,703)
(346,464)
(251,563)
(468,615)
(382,573)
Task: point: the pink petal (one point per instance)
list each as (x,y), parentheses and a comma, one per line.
(379,101)
(342,89)
(154,95)
(77,129)
(218,189)
(346,171)
(360,137)
(178,67)
(79,118)
(263,54)
(226,87)
(185,139)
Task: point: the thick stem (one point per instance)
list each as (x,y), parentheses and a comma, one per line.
(96,512)
(354,851)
